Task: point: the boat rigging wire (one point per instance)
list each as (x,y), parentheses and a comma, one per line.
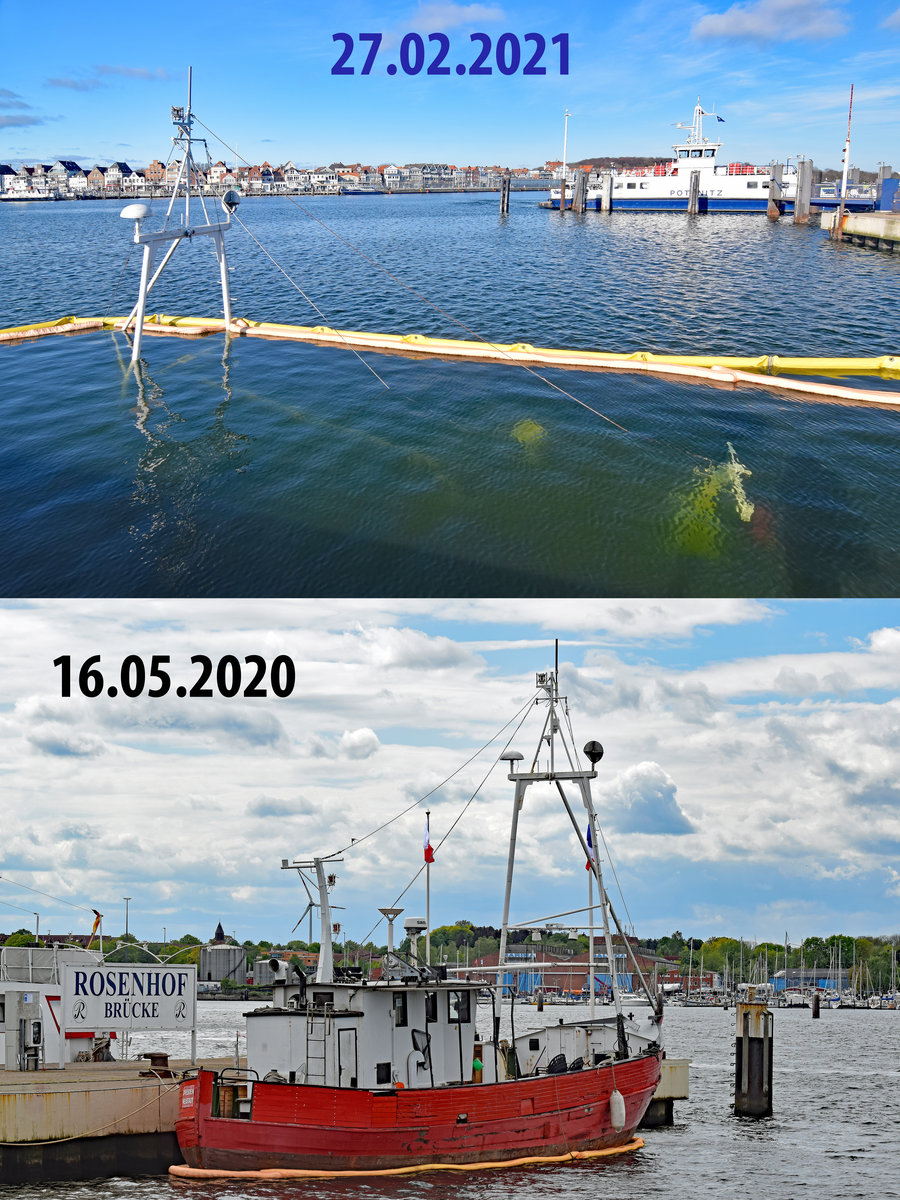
(308,300)
(523,713)
(437,787)
(424,299)
(609,857)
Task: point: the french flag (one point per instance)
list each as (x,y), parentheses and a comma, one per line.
(587,865)
(429,853)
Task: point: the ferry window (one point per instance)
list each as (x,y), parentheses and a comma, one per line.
(682,153)
(632,186)
(320,999)
(645,185)
(399,1008)
(431,1008)
(618,186)
(751,183)
(696,154)
(709,154)
(383,1072)
(459,1007)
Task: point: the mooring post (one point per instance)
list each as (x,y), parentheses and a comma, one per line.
(885,171)
(816,1003)
(580,190)
(504,195)
(804,190)
(753,1058)
(694,193)
(776,191)
(606,186)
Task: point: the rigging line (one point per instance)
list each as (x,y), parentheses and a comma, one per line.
(431,303)
(609,857)
(7,904)
(58,899)
(437,787)
(523,712)
(309,301)
(492,345)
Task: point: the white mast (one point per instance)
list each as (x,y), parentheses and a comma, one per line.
(153,242)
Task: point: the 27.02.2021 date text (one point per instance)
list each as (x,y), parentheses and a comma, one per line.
(511,55)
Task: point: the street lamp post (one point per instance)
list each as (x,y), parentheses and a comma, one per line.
(126,899)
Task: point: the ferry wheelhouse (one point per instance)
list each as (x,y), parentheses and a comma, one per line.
(349,1073)
(665,187)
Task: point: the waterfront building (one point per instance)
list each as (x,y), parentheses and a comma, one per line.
(222,960)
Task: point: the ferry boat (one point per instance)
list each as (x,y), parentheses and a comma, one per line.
(665,187)
(346,1073)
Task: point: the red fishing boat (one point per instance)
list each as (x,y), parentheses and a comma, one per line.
(345,1073)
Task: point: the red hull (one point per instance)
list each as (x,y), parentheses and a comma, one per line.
(306,1127)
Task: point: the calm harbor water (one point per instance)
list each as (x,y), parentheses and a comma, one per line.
(833,1131)
(259,468)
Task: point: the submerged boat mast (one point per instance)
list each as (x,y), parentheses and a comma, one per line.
(152,242)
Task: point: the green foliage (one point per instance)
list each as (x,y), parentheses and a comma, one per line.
(22,937)
(188,939)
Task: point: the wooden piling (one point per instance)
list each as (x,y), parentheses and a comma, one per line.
(504,195)
(776,191)
(694,193)
(578,200)
(804,190)
(753,1059)
(816,1005)
(606,185)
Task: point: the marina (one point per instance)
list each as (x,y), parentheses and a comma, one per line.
(245,412)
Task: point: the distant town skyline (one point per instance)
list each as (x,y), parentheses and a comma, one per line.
(778,71)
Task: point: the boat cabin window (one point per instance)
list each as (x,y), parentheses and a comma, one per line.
(709,154)
(383,1072)
(645,186)
(399,1009)
(631,185)
(459,1007)
(682,153)
(618,186)
(431,1008)
(696,154)
(751,183)
(320,999)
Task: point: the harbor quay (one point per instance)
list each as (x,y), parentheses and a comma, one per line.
(877,230)
(90,1120)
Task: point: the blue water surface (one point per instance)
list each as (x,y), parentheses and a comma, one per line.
(260,468)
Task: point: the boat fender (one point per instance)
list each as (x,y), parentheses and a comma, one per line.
(617,1110)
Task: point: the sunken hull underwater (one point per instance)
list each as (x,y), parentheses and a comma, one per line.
(309,1127)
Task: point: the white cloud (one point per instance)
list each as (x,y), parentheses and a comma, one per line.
(773,21)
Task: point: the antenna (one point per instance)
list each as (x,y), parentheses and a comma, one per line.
(154,242)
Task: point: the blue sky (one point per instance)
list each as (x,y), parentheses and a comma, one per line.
(96,85)
(748,786)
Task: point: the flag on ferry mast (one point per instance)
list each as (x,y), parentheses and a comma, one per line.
(429,853)
(587,865)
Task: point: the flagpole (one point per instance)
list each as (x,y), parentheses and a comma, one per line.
(428,891)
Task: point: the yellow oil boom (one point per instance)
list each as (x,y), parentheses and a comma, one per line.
(769,371)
